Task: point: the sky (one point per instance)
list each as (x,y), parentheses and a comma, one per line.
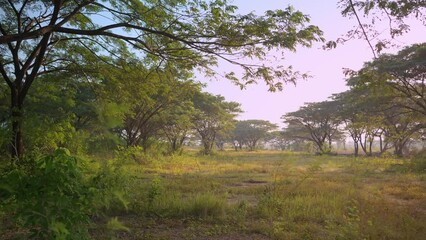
(325,66)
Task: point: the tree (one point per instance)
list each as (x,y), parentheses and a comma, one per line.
(402,127)
(147,94)
(177,124)
(388,97)
(297,136)
(279,140)
(361,112)
(404,73)
(395,13)
(251,131)
(40,37)
(379,105)
(316,122)
(212,116)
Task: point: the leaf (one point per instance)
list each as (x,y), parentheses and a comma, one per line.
(60,230)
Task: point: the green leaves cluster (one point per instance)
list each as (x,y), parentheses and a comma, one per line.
(213,116)
(52,199)
(316,122)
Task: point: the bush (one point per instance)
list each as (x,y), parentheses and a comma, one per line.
(111,185)
(418,162)
(52,199)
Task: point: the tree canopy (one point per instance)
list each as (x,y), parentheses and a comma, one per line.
(396,15)
(317,123)
(213,115)
(249,132)
(41,37)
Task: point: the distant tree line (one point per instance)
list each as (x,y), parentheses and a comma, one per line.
(386,103)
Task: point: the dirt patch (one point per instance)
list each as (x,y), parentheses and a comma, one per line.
(249,183)
(142,228)
(239,236)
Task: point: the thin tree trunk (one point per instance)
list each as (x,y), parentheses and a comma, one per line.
(356,149)
(370,148)
(16,147)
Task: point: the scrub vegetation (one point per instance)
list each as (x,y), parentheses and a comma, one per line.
(106,132)
(233,195)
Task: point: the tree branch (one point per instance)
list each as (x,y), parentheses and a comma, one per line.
(362,28)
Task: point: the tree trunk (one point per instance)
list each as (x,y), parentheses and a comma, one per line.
(17,143)
(398,150)
(370,148)
(16,147)
(356,149)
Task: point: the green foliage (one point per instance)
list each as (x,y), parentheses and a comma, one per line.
(155,191)
(207,206)
(249,132)
(418,162)
(80,49)
(111,185)
(213,115)
(4,140)
(401,74)
(316,122)
(52,200)
(54,196)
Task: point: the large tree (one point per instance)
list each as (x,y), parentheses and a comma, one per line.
(212,116)
(177,125)
(361,112)
(39,37)
(320,122)
(386,101)
(249,132)
(404,74)
(148,95)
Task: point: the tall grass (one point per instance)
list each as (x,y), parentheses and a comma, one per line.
(267,195)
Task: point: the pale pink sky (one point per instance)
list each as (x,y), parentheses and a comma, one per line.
(325,66)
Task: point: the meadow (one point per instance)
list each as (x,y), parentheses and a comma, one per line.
(266,195)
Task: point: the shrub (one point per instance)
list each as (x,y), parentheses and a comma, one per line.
(418,162)
(110,185)
(52,200)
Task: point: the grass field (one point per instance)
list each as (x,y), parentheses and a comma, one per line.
(269,195)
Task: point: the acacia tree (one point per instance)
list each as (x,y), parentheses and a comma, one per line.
(403,75)
(251,131)
(361,112)
(39,37)
(401,128)
(319,121)
(148,95)
(279,140)
(212,116)
(389,92)
(177,125)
